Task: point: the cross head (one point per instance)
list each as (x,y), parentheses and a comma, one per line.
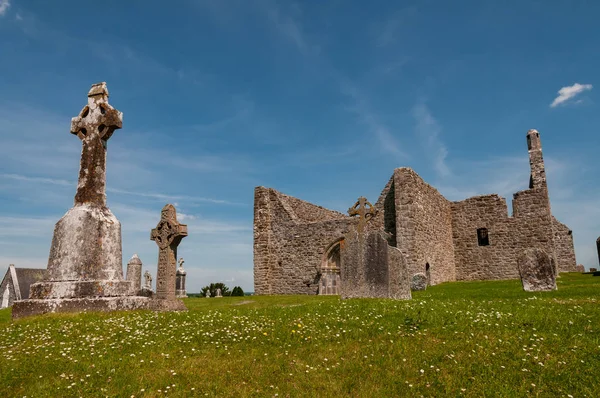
(364,210)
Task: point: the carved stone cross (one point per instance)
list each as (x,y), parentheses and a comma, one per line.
(94,126)
(364,214)
(167,235)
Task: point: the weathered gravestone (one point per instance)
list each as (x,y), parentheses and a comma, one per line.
(207,294)
(146,290)
(85,270)
(167,235)
(580,268)
(419,281)
(180,280)
(537,271)
(218,293)
(369,266)
(134,273)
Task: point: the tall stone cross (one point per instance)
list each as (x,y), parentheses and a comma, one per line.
(167,235)
(364,214)
(95,124)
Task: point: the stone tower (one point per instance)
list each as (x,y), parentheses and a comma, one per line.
(537,178)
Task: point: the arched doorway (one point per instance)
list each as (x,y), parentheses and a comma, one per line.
(329,284)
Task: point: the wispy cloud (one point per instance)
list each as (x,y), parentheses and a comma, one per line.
(429,131)
(388,142)
(387,32)
(42,180)
(4,5)
(289,27)
(568,92)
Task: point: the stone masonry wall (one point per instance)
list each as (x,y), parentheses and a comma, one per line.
(563,247)
(288,251)
(533,221)
(423,226)
(474,262)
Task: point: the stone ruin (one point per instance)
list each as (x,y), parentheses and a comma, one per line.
(370,267)
(298,245)
(537,271)
(85,270)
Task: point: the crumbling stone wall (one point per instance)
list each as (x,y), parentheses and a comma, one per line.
(289,246)
(563,247)
(291,235)
(498,260)
(423,226)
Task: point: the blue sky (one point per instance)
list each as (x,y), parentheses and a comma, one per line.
(318,99)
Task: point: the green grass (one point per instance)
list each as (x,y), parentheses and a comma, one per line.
(474,339)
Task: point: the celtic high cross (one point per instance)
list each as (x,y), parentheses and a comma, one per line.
(364,214)
(95,124)
(167,235)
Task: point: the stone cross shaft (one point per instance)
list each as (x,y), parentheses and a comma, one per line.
(94,126)
(167,235)
(364,214)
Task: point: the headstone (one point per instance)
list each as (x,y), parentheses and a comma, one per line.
(207,294)
(536,270)
(370,267)
(593,269)
(180,280)
(134,273)
(419,281)
(218,293)
(146,290)
(167,235)
(147,280)
(85,270)
(580,268)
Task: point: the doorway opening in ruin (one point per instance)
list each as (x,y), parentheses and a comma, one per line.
(428,274)
(329,284)
(5,298)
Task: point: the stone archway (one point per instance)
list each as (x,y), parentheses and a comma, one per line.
(5,297)
(329,283)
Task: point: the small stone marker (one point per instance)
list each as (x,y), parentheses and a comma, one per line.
(218,293)
(167,235)
(147,280)
(593,269)
(134,273)
(180,280)
(419,281)
(537,271)
(207,294)
(580,268)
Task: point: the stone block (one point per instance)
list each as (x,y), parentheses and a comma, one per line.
(537,271)
(418,281)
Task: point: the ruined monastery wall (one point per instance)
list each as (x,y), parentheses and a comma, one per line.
(423,226)
(498,260)
(533,220)
(287,249)
(563,247)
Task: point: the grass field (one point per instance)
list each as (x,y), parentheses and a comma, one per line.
(471,339)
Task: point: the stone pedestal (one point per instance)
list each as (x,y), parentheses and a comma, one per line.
(372,268)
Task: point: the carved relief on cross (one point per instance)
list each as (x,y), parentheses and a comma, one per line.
(167,235)
(364,214)
(95,124)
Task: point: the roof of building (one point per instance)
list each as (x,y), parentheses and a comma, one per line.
(27,276)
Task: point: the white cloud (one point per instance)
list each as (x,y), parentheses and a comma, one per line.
(429,130)
(4,5)
(568,92)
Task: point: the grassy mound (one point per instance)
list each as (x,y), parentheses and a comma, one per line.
(456,339)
